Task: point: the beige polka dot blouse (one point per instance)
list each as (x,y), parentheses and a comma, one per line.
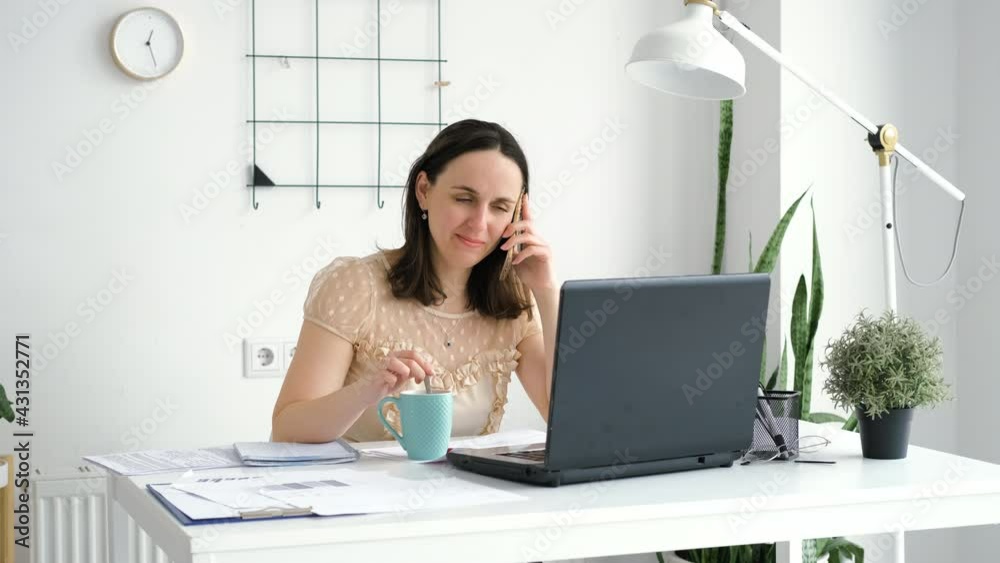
(351,298)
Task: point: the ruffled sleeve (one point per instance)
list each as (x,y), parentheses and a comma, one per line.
(341,298)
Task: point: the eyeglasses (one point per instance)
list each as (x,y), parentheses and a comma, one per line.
(803,444)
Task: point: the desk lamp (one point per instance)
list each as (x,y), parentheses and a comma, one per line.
(691,58)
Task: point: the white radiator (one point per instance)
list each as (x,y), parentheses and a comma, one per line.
(69,516)
(73,521)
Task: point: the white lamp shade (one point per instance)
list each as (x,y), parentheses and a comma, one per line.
(689,58)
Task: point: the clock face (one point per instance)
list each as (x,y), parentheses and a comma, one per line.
(147,43)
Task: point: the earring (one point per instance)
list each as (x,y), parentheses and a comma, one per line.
(424,215)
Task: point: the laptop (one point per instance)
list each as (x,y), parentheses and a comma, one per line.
(652,375)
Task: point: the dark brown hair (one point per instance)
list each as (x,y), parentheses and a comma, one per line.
(492,290)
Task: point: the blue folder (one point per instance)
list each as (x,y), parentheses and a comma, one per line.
(245,515)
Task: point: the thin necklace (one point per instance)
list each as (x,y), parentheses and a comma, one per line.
(447,333)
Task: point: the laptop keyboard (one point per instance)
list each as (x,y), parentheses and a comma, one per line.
(537,455)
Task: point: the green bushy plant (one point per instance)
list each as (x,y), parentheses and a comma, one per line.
(883,363)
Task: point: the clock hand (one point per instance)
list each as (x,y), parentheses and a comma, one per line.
(150,37)
(152,55)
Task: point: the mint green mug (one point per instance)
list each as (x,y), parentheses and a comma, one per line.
(425,419)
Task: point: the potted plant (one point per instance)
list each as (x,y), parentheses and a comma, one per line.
(884,368)
(6,409)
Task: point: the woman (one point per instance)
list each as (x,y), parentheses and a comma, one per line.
(470,297)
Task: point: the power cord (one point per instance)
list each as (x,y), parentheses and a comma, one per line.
(902,263)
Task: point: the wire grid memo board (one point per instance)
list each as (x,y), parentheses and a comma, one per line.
(328,110)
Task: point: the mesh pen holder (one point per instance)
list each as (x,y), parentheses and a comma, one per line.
(779,412)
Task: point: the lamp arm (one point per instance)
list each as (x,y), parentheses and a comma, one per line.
(731,22)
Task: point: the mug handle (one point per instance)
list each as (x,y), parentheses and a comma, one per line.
(385,423)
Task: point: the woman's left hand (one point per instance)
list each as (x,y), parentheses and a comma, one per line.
(533,264)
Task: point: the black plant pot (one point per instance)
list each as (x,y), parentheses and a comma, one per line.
(886,437)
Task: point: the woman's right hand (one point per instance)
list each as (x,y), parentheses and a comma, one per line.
(394,375)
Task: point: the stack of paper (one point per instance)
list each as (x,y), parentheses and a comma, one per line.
(269,454)
(159,461)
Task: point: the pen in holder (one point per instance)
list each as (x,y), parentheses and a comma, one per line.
(776,425)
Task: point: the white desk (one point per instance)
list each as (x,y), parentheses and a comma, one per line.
(773,502)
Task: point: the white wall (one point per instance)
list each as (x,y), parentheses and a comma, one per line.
(160,341)
(892,70)
(977,297)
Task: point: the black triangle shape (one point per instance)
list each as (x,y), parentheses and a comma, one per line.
(259,178)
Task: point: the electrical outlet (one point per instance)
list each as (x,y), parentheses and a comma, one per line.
(267,357)
(262,358)
(288,351)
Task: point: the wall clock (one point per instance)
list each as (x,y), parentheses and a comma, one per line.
(147,43)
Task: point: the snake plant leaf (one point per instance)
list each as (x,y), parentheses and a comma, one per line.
(772,381)
(783,373)
(769,256)
(816,301)
(807,382)
(824,417)
(852,423)
(815,311)
(799,329)
(779,377)
(725,146)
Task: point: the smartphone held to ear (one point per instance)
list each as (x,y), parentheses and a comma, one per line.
(517,217)
(512,251)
